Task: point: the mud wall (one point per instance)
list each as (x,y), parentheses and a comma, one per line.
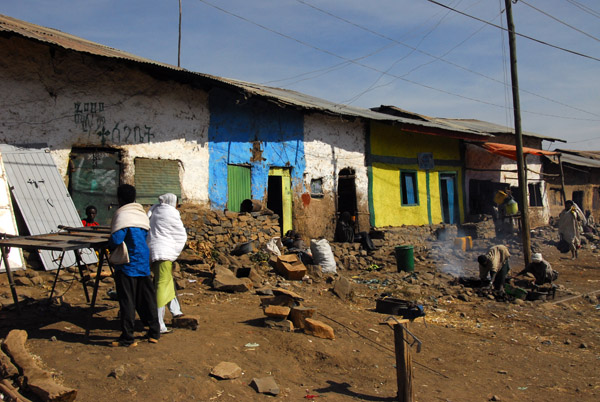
(330,145)
(64,99)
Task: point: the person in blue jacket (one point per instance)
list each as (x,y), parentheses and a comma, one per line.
(134,286)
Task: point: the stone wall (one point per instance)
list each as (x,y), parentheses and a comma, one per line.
(220,230)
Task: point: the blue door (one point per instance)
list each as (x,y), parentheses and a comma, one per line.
(448,198)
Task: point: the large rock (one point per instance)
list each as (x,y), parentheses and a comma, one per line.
(226,281)
(265,385)
(226,371)
(186,321)
(318,329)
(343,288)
(279,323)
(299,314)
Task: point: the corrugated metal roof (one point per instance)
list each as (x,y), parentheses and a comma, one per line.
(279,95)
(487,127)
(584,154)
(579,161)
(42,197)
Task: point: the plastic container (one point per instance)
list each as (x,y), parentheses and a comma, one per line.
(500,197)
(518,293)
(511,207)
(464,243)
(405,259)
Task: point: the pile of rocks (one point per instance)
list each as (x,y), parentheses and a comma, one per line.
(223,230)
(284,311)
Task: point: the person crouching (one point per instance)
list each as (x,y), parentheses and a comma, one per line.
(495,264)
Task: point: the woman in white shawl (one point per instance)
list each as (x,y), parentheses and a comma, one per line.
(166,239)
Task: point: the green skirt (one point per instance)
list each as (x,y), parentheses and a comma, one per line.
(163,282)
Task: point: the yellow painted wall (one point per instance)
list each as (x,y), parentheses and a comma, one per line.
(387,141)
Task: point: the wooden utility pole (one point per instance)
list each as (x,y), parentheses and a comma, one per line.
(179,42)
(562,181)
(403,365)
(522,173)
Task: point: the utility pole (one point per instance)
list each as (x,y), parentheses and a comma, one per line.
(179,42)
(522,173)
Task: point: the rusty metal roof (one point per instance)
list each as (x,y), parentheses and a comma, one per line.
(584,154)
(487,127)
(278,95)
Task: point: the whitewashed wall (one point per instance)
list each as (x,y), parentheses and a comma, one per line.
(332,144)
(69,99)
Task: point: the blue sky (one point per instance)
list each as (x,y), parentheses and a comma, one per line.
(409,53)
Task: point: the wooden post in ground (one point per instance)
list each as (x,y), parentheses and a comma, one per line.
(403,365)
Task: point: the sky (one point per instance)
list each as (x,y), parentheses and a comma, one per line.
(412,54)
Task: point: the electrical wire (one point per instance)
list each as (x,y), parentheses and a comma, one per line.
(584,8)
(560,21)
(380,71)
(516,33)
(440,58)
(373,85)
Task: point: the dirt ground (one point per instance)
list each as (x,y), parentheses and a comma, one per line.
(474,348)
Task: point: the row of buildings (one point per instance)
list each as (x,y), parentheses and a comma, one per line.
(108,117)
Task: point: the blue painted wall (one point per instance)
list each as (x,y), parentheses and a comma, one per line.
(235,124)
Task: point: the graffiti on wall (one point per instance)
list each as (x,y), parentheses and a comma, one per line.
(90,118)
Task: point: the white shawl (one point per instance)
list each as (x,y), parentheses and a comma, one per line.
(129,215)
(167,235)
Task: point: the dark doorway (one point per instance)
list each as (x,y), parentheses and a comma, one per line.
(94,176)
(346,192)
(275,197)
(578,198)
(481,195)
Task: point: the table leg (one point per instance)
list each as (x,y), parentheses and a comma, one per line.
(56,276)
(101,257)
(81,274)
(11,281)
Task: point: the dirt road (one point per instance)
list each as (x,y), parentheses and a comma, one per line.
(474,348)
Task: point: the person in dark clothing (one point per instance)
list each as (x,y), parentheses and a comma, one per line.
(134,286)
(540,269)
(344,233)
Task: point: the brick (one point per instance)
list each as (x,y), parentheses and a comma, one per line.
(280,324)
(318,329)
(277,311)
(299,314)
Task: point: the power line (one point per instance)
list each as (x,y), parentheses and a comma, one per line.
(584,8)
(440,58)
(380,71)
(560,21)
(516,33)
(373,85)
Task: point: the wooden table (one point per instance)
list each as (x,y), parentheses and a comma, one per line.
(70,239)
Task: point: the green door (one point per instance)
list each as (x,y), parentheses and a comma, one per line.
(238,186)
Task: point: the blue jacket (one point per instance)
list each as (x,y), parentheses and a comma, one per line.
(139,254)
